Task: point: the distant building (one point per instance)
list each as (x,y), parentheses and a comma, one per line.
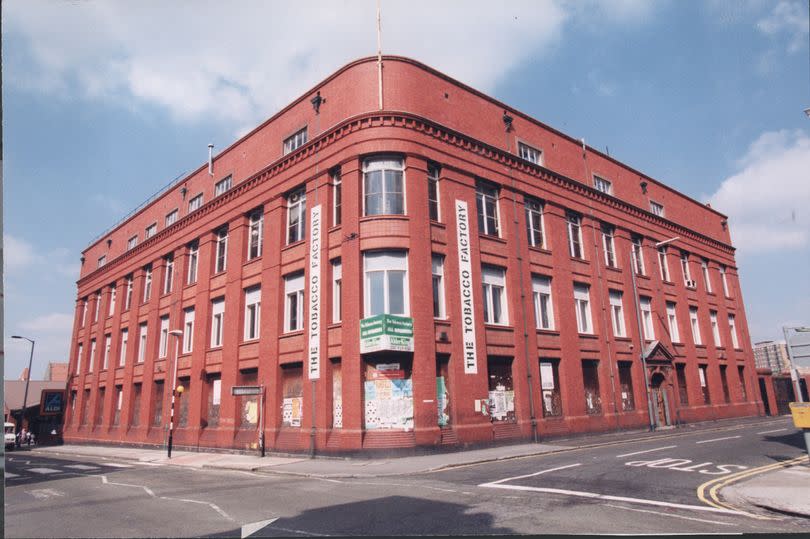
(56,372)
(772,355)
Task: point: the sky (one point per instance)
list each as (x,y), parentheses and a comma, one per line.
(105,103)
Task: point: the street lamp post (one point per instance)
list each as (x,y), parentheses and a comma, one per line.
(794,375)
(175,333)
(27,378)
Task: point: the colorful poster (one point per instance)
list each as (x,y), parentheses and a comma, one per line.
(442,401)
(389,404)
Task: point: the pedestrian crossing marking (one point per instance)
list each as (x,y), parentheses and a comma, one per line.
(43,470)
(117,465)
(82,467)
(11,475)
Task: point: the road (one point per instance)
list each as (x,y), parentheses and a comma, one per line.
(642,486)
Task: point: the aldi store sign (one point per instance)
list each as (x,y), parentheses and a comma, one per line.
(386,332)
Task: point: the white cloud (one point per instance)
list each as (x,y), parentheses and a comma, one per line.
(51,322)
(18,253)
(768,200)
(239,62)
(789,18)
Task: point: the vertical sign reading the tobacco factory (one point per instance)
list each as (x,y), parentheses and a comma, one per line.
(465,280)
(314,358)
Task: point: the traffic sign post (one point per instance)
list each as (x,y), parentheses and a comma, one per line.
(242,391)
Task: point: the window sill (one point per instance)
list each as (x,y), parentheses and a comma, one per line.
(334,325)
(438,223)
(334,227)
(547,331)
(292,333)
(501,327)
(642,276)
(492,237)
(540,249)
(622,339)
(588,335)
(701,346)
(577,259)
(614,269)
(393,216)
(252,260)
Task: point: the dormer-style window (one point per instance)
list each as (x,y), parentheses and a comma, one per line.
(530,154)
(657,209)
(295,141)
(603,185)
(222,185)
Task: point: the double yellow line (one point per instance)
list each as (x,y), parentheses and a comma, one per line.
(715,485)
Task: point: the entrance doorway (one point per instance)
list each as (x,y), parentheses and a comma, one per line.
(660,401)
(763,392)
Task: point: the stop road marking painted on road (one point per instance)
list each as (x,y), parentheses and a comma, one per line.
(685,465)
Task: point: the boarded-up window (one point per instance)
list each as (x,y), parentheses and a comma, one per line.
(248,405)
(741,374)
(680,369)
(590,379)
(119,401)
(135,417)
(704,384)
(501,389)
(724,382)
(100,406)
(292,388)
(73,406)
(550,387)
(626,386)
(86,407)
(337,395)
(213,384)
(157,403)
(388,393)
(182,402)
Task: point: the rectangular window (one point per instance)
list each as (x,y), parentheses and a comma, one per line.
(672,320)
(723,280)
(617,313)
(494,287)
(704,266)
(247,405)
(85,303)
(100,406)
(119,401)
(296,215)
(221,250)
(253,298)
(582,306)
(486,198)
(171,217)
(662,262)
(223,185)
(255,233)
(142,342)
(687,275)
(102,260)
(534,222)
(437,265)
(132,242)
(92,355)
(295,141)
(294,302)
(163,347)
(168,273)
(724,383)
(122,357)
(590,378)
(693,321)
(732,327)
(683,394)
(433,192)
(111,306)
(533,155)
(182,405)
(741,376)
(626,386)
(193,256)
(715,328)
(188,330)
(150,231)
(603,185)
(217,319)
(647,318)
(337,284)
(656,209)
(501,389)
(607,243)
(337,198)
(574,222)
(386,283)
(543,309)
(147,282)
(214,383)
(85,407)
(638,254)
(107,346)
(79,358)
(195,203)
(135,418)
(97,306)
(128,297)
(157,403)
(704,384)
(383,187)
(550,388)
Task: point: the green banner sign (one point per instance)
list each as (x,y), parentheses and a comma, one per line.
(386,332)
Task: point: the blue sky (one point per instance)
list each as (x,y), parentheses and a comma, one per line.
(104,103)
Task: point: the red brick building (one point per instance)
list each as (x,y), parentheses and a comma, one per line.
(404,261)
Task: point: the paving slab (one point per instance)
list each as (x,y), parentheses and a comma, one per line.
(786,490)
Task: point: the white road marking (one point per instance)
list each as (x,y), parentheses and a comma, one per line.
(770,431)
(614,498)
(645,451)
(43,470)
(118,465)
(717,439)
(659,513)
(45,493)
(253,527)
(82,467)
(10,475)
(530,475)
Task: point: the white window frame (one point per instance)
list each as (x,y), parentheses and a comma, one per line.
(147,283)
(704,266)
(723,280)
(223,185)
(437,281)
(386,263)
(647,324)
(107,347)
(486,198)
(493,278)
(616,300)
(163,348)
(79,358)
(294,302)
(92,355)
(221,250)
(530,153)
(609,245)
(97,306)
(434,171)
(295,141)
(122,353)
(603,185)
(656,208)
(143,331)
(193,262)
(255,233)
(582,308)
(687,275)
(253,298)
(168,273)
(533,209)
(188,330)
(694,322)
(297,204)
(337,285)
(195,203)
(111,306)
(85,306)
(732,326)
(663,264)
(217,321)
(171,217)
(102,260)
(132,242)
(128,298)
(573,222)
(337,198)
(541,289)
(718,342)
(637,252)
(384,165)
(672,320)
(150,231)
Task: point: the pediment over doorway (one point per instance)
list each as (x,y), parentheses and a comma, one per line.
(656,352)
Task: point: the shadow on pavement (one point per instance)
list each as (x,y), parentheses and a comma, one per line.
(389,516)
(794,439)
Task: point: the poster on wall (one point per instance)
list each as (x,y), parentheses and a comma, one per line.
(389,403)
(442,401)
(291,412)
(502,404)
(546,376)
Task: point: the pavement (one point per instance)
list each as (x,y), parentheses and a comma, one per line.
(781,489)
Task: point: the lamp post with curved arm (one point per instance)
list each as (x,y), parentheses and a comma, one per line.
(27,378)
